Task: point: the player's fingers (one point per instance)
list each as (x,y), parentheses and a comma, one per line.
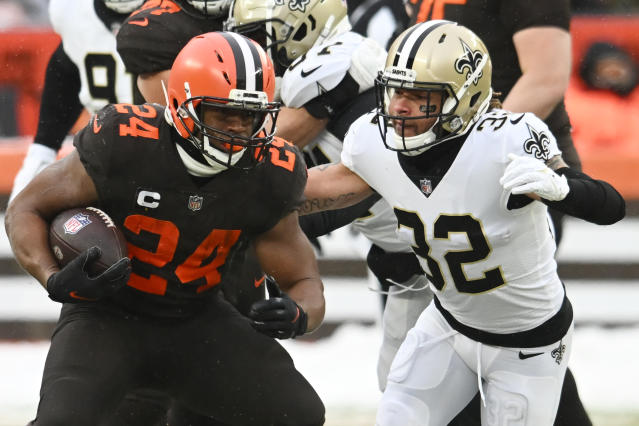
(272,287)
(118,272)
(531,187)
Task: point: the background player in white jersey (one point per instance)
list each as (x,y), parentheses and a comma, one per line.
(85,71)
(470,186)
(326,75)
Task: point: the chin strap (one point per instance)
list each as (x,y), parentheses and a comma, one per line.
(196,168)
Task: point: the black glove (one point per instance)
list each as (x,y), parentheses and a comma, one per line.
(72,284)
(278,316)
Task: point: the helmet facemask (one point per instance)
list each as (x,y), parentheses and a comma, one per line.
(123,7)
(439,101)
(212,8)
(224,147)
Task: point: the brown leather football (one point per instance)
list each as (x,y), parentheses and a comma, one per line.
(73,231)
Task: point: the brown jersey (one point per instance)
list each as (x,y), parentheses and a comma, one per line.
(182,235)
(151,37)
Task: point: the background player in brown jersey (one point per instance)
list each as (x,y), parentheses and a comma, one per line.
(189,185)
(152,36)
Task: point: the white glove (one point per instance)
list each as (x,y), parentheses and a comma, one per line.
(525,175)
(38,157)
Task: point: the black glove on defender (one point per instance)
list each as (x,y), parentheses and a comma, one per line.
(72,284)
(278,316)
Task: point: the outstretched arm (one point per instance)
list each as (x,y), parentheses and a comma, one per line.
(333,186)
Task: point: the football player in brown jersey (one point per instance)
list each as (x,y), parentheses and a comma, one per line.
(190,185)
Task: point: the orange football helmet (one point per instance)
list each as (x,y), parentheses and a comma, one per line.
(225,72)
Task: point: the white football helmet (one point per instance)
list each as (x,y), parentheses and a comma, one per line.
(437,57)
(287,28)
(123,6)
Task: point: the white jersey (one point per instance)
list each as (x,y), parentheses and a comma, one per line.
(492,268)
(321,70)
(92,48)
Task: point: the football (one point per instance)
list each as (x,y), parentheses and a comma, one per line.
(73,231)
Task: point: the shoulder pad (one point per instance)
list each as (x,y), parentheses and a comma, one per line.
(359,137)
(65,13)
(320,70)
(285,173)
(523,133)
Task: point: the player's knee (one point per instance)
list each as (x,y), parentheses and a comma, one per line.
(505,408)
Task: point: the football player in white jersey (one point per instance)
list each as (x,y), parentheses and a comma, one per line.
(327,72)
(85,71)
(470,185)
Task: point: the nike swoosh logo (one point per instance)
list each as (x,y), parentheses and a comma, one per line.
(75,295)
(526,356)
(517,120)
(142,22)
(307,73)
(259,282)
(96,127)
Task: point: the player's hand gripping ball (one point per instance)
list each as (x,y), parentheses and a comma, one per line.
(92,254)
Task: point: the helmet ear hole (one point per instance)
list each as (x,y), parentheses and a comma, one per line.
(300,33)
(474,98)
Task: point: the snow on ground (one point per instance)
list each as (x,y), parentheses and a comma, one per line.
(342,369)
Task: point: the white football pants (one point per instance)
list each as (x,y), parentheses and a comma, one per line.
(403,307)
(437,371)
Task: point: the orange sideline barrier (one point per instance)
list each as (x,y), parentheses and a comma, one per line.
(605,126)
(24,55)
(12,152)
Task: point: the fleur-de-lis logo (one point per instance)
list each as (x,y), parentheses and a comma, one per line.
(538,144)
(298,5)
(468,63)
(558,352)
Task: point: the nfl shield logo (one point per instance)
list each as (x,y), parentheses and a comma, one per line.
(76,223)
(426,186)
(195,202)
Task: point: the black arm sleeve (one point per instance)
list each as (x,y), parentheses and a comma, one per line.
(60,106)
(592,200)
(317,224)
(395,266)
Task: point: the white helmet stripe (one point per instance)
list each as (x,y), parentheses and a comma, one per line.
(410,44)
(248,63)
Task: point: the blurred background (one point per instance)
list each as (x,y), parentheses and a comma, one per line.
(600,265)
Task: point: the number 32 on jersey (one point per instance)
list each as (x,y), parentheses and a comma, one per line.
(479,250)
